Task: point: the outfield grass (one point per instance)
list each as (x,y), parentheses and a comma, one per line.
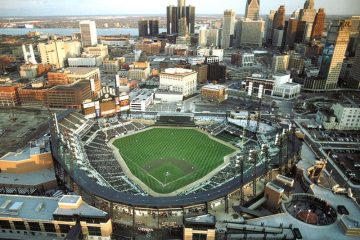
(166,159)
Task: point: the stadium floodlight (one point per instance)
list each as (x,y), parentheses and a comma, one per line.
(250,89)
(261,89)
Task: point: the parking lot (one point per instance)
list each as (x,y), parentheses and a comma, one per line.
(335,136)
(18,127)
(349,162)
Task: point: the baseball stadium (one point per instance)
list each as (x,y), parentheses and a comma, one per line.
(151,170)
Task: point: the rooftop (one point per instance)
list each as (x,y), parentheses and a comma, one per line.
(28,179)
(42,208)
(178,71)
(81,70)
(214,87)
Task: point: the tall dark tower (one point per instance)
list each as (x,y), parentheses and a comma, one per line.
(319,24)
(190,18)
(143,28)
(172,19)
(154,27)
(252,10)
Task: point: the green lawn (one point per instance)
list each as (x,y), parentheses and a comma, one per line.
(167,159)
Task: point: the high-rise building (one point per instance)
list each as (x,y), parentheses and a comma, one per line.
(269,28)
(228,28)
(355,70)
(318,25)
(279,19)
(249,33)
(190,18)
(334,52)
(252,9)
(88,33)
(181,10)
(291,32)
(213,37)
(154,27)
(183,27)
(175,14)
(307,14)
(203,37)
(53,53)
(280,63)
(172,19)
(143,28)
(278,27)
(300,32)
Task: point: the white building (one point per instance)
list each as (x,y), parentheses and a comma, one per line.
(53,53)
(206,52)
(196,60)
(72,49)
(179,80)
(98,51)
(88,33)
(284,87)
(347,116)
(139,71)
(111,66)
(85,61)
(212,59)
(141,99)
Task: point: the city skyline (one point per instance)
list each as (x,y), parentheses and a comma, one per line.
(112,7)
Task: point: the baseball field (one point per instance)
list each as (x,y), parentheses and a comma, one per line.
(167,159)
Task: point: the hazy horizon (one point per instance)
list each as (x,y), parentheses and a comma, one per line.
(39,8)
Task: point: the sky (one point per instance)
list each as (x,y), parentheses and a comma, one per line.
(119,7)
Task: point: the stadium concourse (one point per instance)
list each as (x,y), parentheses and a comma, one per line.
(85,164)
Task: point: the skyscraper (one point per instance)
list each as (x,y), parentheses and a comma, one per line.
(172,19)
(53,53)
(190,18)
(203,34)
(228,28)
(252,10)
(319,24)
(143,28)
(249,33)
(269,28)
(307,14)
(334,52)
(175,15)
(181,10)
(154,27)
(355,70)
(213,37)
(88,33)
(183,27)
(291,32)
(279,20)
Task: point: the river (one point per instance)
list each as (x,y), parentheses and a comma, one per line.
(70,31)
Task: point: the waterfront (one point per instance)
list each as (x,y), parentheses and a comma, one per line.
(70,31)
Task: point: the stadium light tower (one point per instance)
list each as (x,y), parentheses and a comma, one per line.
(260,95)
(265,155)
(253,159)
(241,163)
